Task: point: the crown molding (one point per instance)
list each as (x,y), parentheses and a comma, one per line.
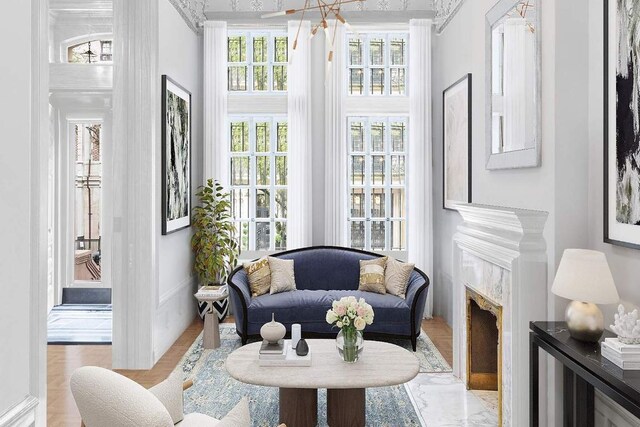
(445,10)
(192,11)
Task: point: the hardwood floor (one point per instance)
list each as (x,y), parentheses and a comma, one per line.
(64,359)
(441,335)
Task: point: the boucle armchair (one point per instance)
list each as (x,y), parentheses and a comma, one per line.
(108,399)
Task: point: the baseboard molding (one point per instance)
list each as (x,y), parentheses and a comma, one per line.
(609,414)
(22,414)
(167,296)
(176,310)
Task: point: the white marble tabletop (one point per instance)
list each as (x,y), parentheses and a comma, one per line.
(380,364)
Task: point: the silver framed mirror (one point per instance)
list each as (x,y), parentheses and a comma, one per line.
(512,100)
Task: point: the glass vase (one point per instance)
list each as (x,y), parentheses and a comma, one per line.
(350,344)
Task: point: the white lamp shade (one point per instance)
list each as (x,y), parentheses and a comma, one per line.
(584,275)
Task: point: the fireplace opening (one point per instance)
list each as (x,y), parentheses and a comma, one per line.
(483,349)
(484,346)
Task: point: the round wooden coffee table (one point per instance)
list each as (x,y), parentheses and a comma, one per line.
(380,364)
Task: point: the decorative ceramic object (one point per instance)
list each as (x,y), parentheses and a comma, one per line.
(273,331)
(626,326)
(350,344)
(302,349)
(296,334)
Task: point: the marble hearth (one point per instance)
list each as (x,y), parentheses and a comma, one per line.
(500,258)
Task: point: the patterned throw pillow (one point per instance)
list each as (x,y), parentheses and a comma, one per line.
(283,278)
(372,275)
(396,277)
(259,276)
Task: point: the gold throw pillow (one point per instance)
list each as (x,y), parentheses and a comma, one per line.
(259,276)
(396,277)
(283,278)
(372,275)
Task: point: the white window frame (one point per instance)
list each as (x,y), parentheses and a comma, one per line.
(252,119)
(387,66)
(249,63)
(389,107)
(367,185)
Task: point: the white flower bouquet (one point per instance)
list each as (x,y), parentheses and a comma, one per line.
(349,312)
(351,316)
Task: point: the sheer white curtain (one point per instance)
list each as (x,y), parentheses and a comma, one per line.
(419,179)
(335,141)
(216,156)
(299,204)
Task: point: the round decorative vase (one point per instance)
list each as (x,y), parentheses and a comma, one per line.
(350,344)
(273,331)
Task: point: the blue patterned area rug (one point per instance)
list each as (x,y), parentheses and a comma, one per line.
(215,393)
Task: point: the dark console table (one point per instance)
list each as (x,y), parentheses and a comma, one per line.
(584,369)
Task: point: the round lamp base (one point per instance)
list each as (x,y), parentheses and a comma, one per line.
(584,321)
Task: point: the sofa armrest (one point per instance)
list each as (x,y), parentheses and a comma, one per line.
(240,294)
(416,297)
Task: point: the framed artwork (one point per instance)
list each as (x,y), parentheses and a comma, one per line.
(622,123)
(456,139)
(176,156)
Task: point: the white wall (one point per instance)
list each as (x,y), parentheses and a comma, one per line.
(559,185)
(459,50)
(22,307)
(15,181)
(180,58)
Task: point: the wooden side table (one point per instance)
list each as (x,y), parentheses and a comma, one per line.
(211,334)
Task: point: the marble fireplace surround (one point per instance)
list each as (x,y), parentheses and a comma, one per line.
(500,254)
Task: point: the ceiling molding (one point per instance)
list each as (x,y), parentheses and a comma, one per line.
(192,11)
(445,11)
(223,6)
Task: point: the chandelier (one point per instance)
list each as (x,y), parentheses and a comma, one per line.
(328,9)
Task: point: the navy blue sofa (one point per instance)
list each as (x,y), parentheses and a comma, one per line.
(324,274)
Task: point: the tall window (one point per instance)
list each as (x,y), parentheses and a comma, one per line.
(257,62)
(377,216)
(377,64)
(91,52)
(258,147)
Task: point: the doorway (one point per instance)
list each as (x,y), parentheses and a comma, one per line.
(81,312)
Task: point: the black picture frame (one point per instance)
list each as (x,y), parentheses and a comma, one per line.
(468,78)
(171,225)
(615,236)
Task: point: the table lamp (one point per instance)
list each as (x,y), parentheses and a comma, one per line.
(584,277)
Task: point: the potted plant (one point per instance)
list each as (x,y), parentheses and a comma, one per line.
(213,242)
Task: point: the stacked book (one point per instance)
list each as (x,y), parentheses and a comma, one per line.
(281,354)
(212,292)
(625,356)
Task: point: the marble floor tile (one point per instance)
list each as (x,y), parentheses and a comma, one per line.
(442,400)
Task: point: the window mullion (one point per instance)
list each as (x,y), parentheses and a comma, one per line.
(272,181)
(252,185)
(367,184)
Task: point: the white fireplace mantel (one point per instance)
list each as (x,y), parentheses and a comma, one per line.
(500,253)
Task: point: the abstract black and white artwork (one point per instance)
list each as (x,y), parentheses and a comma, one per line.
(456,125)
(622,123)
(176,156)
